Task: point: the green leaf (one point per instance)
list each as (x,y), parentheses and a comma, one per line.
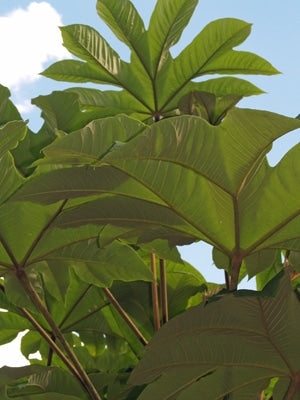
(166,25)
(218,172)
(80,182)
(260,261)
(10,135)
(76,71)
(214,43)
(48,384)
(263,277)
(30,343)
(110,102)
(15,220)
(8,111)
(88,145)
(207,105)
(9,374)
(61,110)
(58,381)
(11,324)
(10,178)
(86,43)
(125,22)
(239,62)
(214,356)
(102,266)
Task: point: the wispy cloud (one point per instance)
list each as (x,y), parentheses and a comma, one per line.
(28,39)
(25,107)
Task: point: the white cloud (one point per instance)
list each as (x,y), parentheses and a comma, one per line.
(25,107)
(28,39)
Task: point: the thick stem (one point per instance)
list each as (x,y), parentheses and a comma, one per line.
(86,382)
(236,263)
(293,389)
(155,303)
(227,280)
(286,262)
(125,316)
(163,291)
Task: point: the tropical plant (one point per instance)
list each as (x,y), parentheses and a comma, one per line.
(91,201)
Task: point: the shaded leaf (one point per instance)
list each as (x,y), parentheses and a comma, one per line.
(231,341)
(10,135)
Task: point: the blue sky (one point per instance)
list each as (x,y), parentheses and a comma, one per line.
(30,43)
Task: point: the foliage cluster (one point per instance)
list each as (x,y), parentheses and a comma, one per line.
(95,203)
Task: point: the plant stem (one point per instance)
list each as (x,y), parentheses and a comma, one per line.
(227,280)
(293,389)
(155,303)
(50,353)
(85,380)
(51,343)
(125,316)
(236,263)
(163,291)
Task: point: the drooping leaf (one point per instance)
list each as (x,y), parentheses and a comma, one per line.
(11,324)
(9,374)
(102,266)
(8,111)
(10,178)
(48,383)
(110,102)
(10,135)
(90,144)
(61,110)
(231,345)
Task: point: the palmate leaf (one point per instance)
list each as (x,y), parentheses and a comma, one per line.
(219,170)
(85,42)
(78,249)
(236,344)
(213,46)
(153,81)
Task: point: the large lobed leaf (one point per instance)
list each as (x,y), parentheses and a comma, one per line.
(195,180)
(235,344)
(153,81)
